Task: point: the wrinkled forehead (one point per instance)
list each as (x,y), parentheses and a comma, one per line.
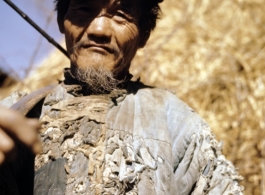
(132,3)
(133,7)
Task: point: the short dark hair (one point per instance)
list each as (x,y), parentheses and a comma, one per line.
(147,23)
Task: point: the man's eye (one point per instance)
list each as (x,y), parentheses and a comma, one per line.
(121,14)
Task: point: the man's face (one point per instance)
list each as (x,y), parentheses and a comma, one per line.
(102,33)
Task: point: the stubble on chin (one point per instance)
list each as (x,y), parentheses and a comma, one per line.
(94,72)
(96,79)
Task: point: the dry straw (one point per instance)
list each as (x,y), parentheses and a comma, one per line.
(212,53)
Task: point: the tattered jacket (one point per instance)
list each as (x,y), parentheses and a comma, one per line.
(140,140)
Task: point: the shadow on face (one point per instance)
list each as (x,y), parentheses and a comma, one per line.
(102,33)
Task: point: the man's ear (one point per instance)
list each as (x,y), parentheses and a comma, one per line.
(60,21)
(143,39)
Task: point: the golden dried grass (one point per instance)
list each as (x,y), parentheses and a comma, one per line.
(212,54)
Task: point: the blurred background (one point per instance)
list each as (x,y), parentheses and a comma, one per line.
(21,46)
(211,53)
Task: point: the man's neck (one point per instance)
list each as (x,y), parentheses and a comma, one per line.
(87,89)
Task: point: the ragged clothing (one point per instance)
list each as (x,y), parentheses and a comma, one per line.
(137,140)
(140,140)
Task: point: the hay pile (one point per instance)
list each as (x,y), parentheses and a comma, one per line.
(212,54)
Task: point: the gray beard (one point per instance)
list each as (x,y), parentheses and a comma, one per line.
(97,80)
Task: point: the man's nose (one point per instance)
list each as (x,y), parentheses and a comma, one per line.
(100,28)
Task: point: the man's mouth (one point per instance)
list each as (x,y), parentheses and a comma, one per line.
(98,48)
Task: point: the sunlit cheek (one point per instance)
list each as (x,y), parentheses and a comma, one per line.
(130,41)
(131,31)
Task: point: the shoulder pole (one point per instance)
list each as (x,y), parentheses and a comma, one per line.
(34,25)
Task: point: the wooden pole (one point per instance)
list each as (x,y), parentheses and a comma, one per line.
(34,25)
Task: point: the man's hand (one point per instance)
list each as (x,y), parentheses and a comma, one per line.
(16,128)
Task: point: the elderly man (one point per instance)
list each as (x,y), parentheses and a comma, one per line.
(105,134)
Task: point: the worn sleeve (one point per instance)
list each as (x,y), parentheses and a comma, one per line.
(204,161)
(12,99)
